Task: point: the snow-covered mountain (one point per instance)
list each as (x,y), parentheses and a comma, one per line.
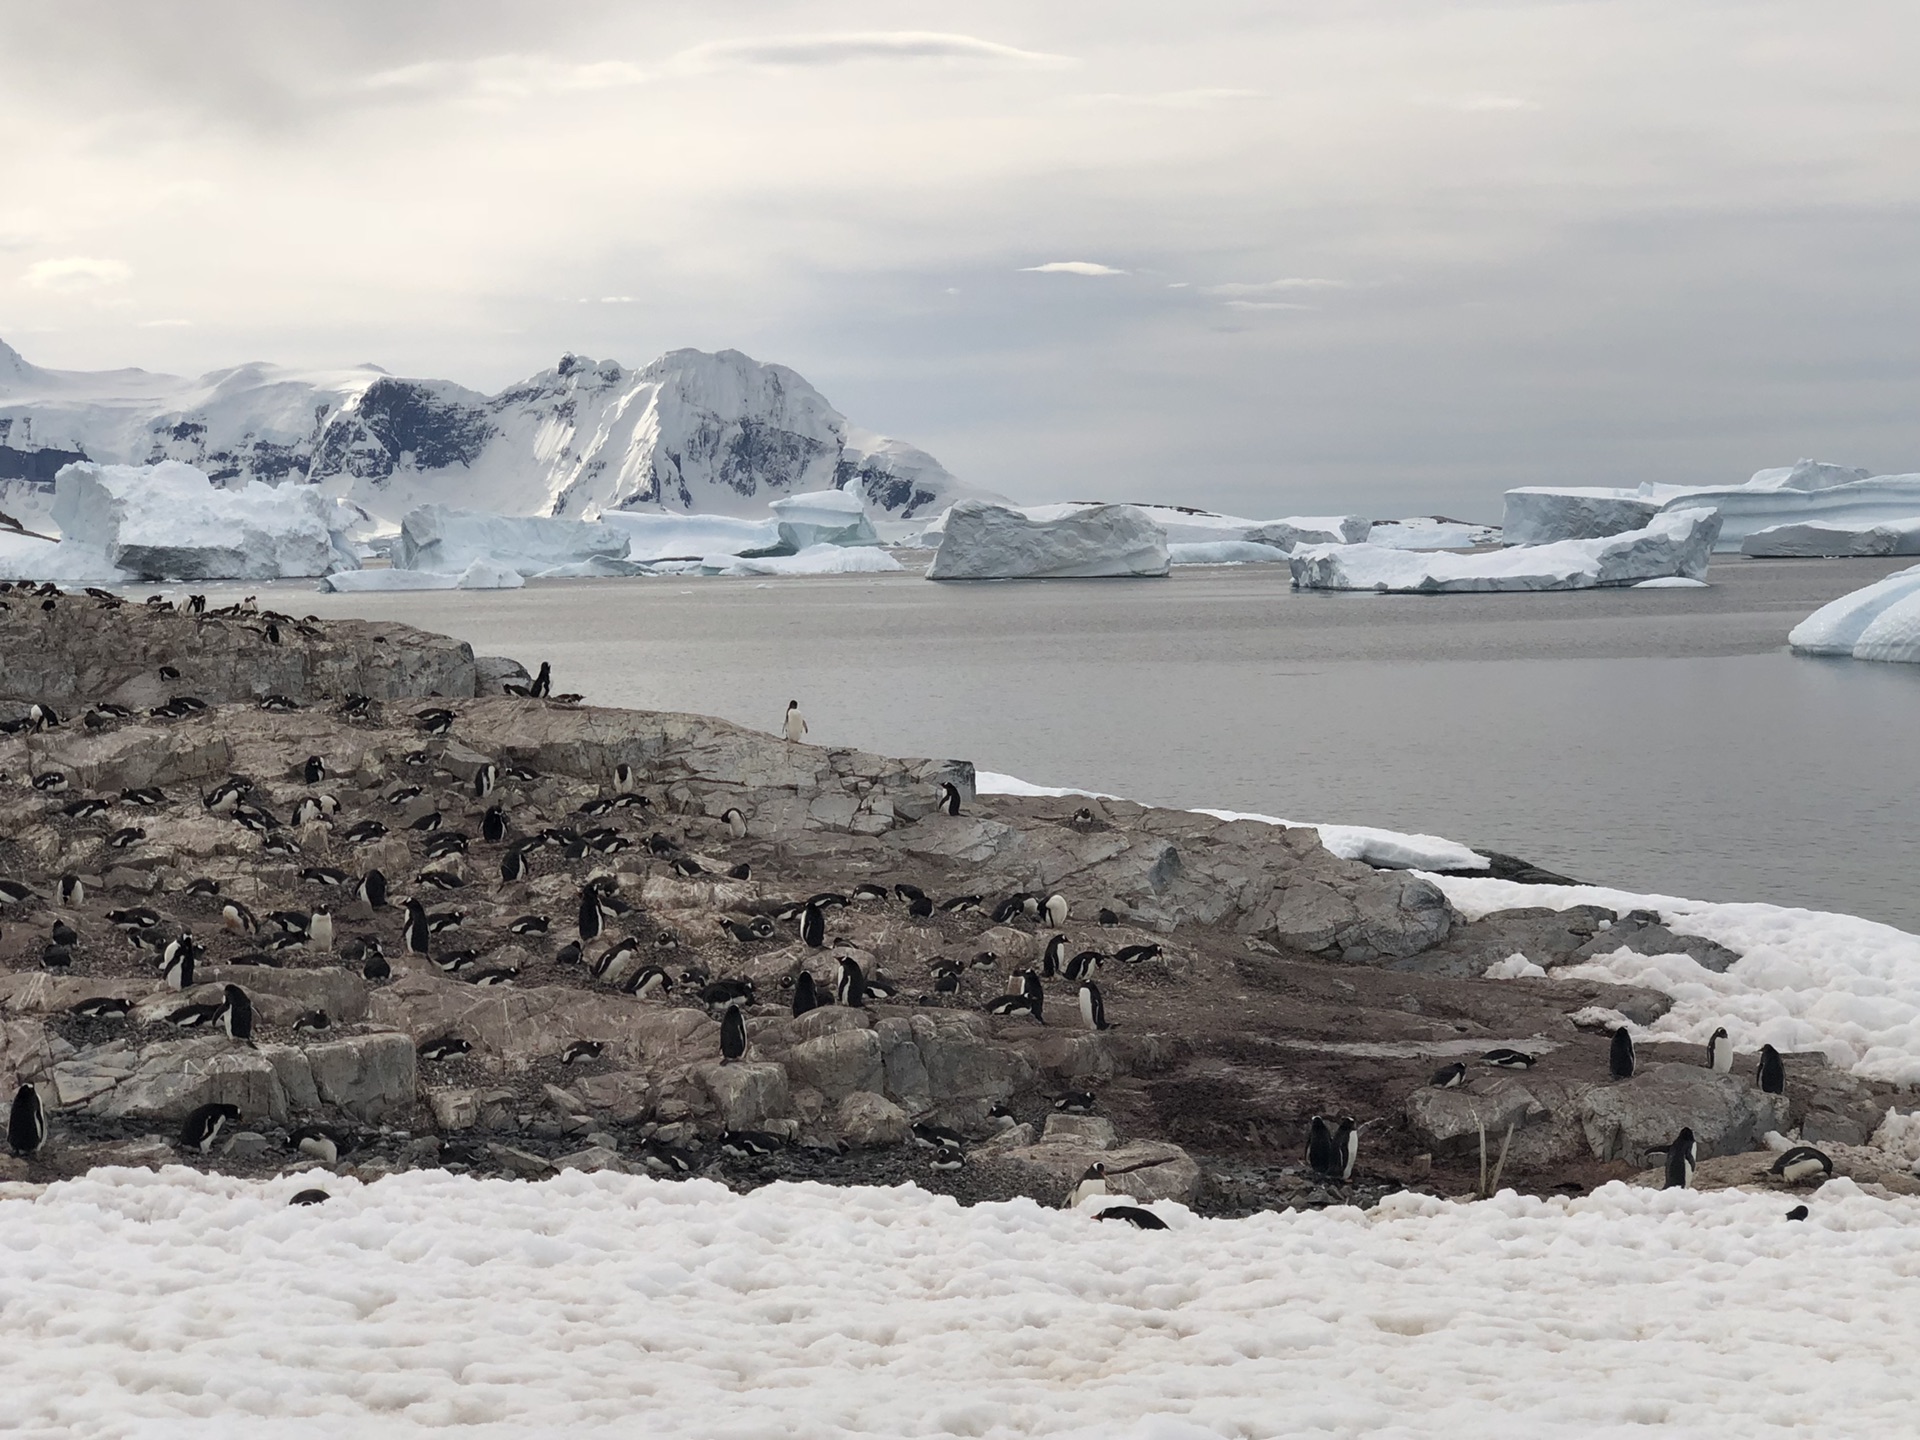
(691,433)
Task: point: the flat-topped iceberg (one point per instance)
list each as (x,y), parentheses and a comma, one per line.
(439,538)
(1835,538)
(480,575)
(1224,552)
(653,536)
(1431,532)
(1811,491)
(1674,544)
(822,517)
(995,542)
(814,560)
(1880,621)
(1186,525)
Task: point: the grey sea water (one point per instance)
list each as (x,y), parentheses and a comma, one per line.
(1658,740)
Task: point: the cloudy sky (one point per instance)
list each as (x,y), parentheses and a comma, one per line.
(1266,257)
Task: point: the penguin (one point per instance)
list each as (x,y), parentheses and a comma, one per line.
(320,932)
(567,954)
(592,915)
(1504,1058)
(73,893)
(236,1016)
(542,685)
(733,1034)
(26,1123)
(1802,1162)
(493,825)
(484,779)
(1091,1186)
(1681,1157)
(178,974)
(851,987)
(375,967)
(1620,1058)
(1020,1004)
(1056,909)
(315,770)
(805,996)
(735,821)
(314,1020)
(1322,1158)
(1031,988)
(373,889)
(103,1007)
(317,1142)
(1346,1146)
(1134,1215)
(528,925)
(648,982)
(866,890)
(612,955)
(416,928)
(742,871)
(1720,1052)
(1772,1072)
(949,798)
(958,903)
(795,725)
(581,1050)
(445,1048)
(203,1126)
(1450,1077)
(1084,965)
(813,927)
(1093,1008)
(56,957)
(63,934)
(307,810)
(1799,1212)
(623,779)
(513,865)
(1053,957)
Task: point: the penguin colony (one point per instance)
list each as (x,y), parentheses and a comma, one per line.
(474,838)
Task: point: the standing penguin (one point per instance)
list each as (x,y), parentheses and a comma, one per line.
(623,779)
(796,723)
(1720,1052)
(1092,1186)
(315,770)
(493,825)
(1322,1159)
(851,988)
(543,682)
(203,1126)
(1346,1146)
(1093,1008)
(1681,1156)
(417,932)
(949,798)
(484,779)
(733,1034)
(236,1015)
(736,822)
(1056,909)
(72,892)
(805,996)
(26,1123)
(592,916)
(1620,1059)
(373,889)
(1772,1073)
(320,931)
(813,926)
(1053,958)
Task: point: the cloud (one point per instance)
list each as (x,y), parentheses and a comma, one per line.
(1169,99)
(1478,104)
(1275,287)
(851,47)
(502,77)
(74,274)
(1070,267)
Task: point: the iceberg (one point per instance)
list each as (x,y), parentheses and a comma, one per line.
(1880,621)
(652,535)
(1537,515)
(170,522)
(822,517)
(480,575)
(1310,530)
(1677,543)
(1431,532)
(995,542)
(814,560)
(1224,552)
(1812,538)
(436,537)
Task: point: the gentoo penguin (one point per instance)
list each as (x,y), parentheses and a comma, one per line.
(796,724)
(733,1034)
(1093,1008)
(592,916)
(314,1020)
(528,925)
(316,1141)
(1084,965)
(310,1197)
(1134,1215)
(1056,909)
(1018,1004)
(56,957)
(735,821)
(1346,1146)
(26,1122)
(12,892)
(1054,958)
(542,685)
(320,931)
(1802,1162)
(623,780)
(484,779)
(373,889)
(805,997)
(1092,1186)
(866,890)
(1720,1052)
(1507,1059)
(581,1050)
(513,865)
(315,770)
(949,797)
(178,974)
(102,1007)
(416,930)
(1620,1058)
(1772,1072)
(236,1015)
(444,1048)
(493,825)
(1450,1077)
(1322,1158)
(203,1126)
(72,892)
(813,927)
(1681,1156)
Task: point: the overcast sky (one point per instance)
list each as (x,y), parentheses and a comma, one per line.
(1266,257)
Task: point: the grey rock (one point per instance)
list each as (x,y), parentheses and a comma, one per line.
(594,1157)
(838,1065)
(493,673)
(1546,937)
(1168,1173)
(1547,1118)
(246,1145)
(170,1079)
(1645,935)
(1093,1131)
(1349,530)
(1726,1113)
(454,1108)
(746,1095)
(866,1121)
(371,1077)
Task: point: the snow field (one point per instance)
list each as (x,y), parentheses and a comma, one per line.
(143,1303)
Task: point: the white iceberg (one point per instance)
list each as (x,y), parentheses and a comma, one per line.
(822,517)
(437,537)
(1878,622)
(1431,532)
(995,542)
(479,575)
(814,560)
(1677,543)
(169,521)
(653,536)
(1834,538)
(1811,491)
(1298,530)
(1224,552)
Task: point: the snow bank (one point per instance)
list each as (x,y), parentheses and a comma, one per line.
(815,560)
(606,1304)
(480,575)
(1880,621)
(996,542)
(822,517)
(169,521)
(1805,539)
(437,537)
(653,536)
(1224,552)
(1809,492)
(1675,543)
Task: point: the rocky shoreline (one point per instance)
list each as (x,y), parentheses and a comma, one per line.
(1276,981)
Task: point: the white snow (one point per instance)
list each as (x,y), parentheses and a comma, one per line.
(1880,621)
(437,537)
(997,542)
(1515,967)
(69,562)
(1425,532)
(1671,582)
(1673,543)
(1224,552)
(814,560)
(169,1303)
